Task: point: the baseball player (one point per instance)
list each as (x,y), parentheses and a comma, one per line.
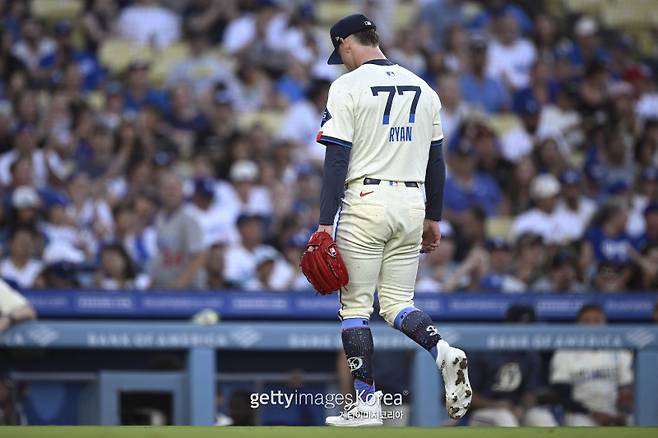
(381,198)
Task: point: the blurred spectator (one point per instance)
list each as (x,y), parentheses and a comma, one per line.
(435,17)
(477,87)
(148,23)
(543,219)
(437,267)
(215,225)
(574,210)
(300,123)
(247,196)
(594,385)
(139,92)
(562,275)
(181,253)
(505,384)
(510,56)
(498,277)
(215,262)
(529,257)
(98,22)
(453,109)
(116,271)
(272,271)
(587,46)
(209,17)
(14,308)
(606,238)
(611,276)
(201,69)
(20,266)
(242,259)
(465,187)
(12,412)
(33,45)
(655,313)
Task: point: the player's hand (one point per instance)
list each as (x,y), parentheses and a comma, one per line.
(431,236)
(326,228)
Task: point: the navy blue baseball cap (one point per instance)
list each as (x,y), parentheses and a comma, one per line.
(345,27)
(570,177)
(205,186)
(650,174)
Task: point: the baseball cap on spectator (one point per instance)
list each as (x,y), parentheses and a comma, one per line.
(63,27)
(497,243)
(520,313)
(204,186)
(570,177)
(636,73)
(22,127)
(244,171)
(163,158)
(245,218)
(527,104)
(461,146)
(649,174)
(264,254)
(618,187)
(544,186)
(651,208)
(53,198)
(25,197)
(223,97)
(586,26)
(345,27)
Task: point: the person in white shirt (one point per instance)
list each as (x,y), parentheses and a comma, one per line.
(300,122)
(44,164)
(240,259)
(148,23)
(273,273)
(20,267)
(216,226)
(266,26)
(32,46)
(510,57)
(594,385)
(574,210)
(202,68)
(453,109)
(244,195)
(542,220)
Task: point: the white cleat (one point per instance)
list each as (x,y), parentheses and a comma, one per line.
(359,413)
(454,366)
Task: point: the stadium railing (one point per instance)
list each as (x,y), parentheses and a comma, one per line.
(205,343)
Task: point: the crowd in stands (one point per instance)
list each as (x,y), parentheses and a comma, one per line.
(185,158)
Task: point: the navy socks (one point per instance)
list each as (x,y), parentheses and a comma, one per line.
(358,346)
(418,326)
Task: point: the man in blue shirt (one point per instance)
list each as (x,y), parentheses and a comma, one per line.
(465,187)
(477,87)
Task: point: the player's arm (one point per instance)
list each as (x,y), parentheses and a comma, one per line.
(435,177)
(336,132)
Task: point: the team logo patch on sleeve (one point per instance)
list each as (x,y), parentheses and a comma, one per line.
(326,116)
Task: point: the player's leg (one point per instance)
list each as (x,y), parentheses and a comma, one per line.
(360,238)
(396,291)
(539,416)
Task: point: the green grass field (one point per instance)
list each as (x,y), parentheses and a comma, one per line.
(318,432)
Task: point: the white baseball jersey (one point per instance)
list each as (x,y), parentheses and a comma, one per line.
(388,117)
(595,375)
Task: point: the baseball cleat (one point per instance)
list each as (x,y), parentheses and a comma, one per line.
(454,367)
(359,413)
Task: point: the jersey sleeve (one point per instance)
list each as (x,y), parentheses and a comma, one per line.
(337,125)
(437,129)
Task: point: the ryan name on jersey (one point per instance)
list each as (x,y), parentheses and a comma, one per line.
(400,133)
